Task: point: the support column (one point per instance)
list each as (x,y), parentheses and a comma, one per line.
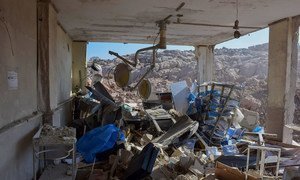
(205,63)
(282,77)
(46,52)
(78,65)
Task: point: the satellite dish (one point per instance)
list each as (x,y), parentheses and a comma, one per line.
(122,75)
(144,89)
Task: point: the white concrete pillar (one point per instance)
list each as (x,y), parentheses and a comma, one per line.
(205,63)
(282,76)
(78,65)
(46,45)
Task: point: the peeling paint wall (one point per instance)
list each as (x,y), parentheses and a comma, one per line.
(16,150)
(20,17)
(64,64)
(60,78)
(19,119)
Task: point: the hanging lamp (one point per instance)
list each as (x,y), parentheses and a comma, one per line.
(237,33)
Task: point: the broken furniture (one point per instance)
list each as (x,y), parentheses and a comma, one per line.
(142,164)
(238,161)
(184,125)
(49,137)
(161,119)
(262,160)
(85,109)
(260,136)
(109,111)
(219,101)
(226,172)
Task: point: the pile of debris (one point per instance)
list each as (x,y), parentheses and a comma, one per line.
(197,132)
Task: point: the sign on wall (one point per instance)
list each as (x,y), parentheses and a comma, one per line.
(12,80)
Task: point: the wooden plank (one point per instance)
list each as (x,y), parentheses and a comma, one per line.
(225,172)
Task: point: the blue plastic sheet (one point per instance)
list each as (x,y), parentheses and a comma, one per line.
(98,140)
(258,129)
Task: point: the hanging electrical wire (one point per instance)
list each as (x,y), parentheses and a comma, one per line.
(2,19)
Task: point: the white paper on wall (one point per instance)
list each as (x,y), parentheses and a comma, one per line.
(12,80)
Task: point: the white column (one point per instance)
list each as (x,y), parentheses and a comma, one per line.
(205,63)
(282,77)
(79,65)
(46,46)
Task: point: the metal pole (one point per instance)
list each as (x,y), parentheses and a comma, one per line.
(278,161)
(74,162)
(247,165)
(262,163)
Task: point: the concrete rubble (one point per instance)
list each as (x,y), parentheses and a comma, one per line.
(208,137)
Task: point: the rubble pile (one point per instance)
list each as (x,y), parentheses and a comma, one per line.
(185,130)
(201,133)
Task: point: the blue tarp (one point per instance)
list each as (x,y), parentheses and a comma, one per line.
(98,140)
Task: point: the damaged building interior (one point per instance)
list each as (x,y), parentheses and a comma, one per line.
(59,121)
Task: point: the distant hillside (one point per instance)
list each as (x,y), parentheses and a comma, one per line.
(248,66)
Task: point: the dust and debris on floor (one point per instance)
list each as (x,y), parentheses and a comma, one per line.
(197,132)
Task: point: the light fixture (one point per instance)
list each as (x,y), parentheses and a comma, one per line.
(236,33)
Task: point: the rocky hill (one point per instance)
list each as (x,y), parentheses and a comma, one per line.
(247,66)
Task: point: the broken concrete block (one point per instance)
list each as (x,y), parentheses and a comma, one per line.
(250,119)
(162,173)
(146,138)
(203,158)
(197,168)
(172,162)
(126,156)
(178,152)
(186,177)
(186,161)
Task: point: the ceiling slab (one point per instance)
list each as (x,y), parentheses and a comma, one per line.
(133,21)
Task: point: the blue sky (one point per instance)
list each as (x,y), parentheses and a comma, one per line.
(101,49)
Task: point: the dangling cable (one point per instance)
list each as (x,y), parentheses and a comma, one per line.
(9,36)
(237,9)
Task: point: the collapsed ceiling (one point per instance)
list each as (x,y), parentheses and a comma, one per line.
(133,21)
